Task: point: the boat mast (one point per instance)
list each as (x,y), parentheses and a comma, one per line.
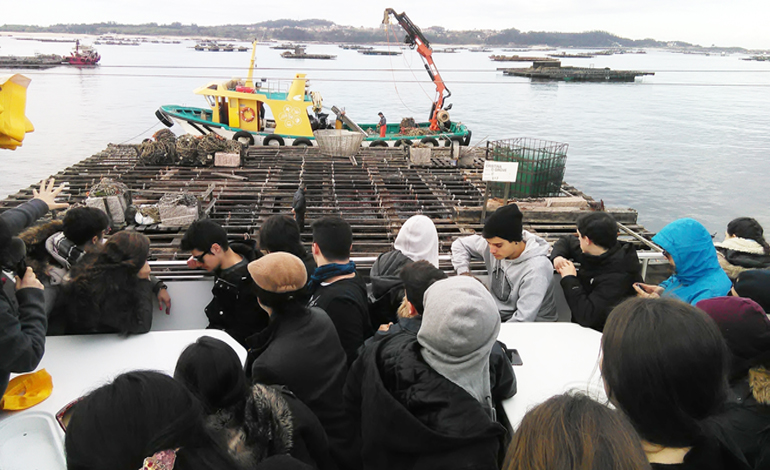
(250,77)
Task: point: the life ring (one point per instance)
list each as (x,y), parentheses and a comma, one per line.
(248,114)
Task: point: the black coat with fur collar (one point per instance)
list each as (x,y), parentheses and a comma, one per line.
(747,419)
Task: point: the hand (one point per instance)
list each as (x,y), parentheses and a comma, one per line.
(164,300)
(567,268)
(29,281)
(48,194)
(558,262)
(193,263)
(647,290)
(384,327)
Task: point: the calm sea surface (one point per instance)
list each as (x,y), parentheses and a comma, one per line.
(693,140)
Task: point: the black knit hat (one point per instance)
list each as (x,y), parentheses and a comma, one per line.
(755,284)
(505,223)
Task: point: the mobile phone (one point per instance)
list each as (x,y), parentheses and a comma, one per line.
(513,355)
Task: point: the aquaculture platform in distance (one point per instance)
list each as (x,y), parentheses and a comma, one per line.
(552,70)
(376,196)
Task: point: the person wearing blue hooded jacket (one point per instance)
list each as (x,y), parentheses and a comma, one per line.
(689,248)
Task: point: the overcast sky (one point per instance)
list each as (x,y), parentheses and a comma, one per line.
(705,22)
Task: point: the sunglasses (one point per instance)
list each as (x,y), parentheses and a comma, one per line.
(64,415)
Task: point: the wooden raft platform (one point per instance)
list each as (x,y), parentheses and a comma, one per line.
(376,196)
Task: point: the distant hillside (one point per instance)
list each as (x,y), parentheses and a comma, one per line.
(327,31)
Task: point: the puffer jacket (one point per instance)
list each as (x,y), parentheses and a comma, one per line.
(747,418)
(407,415)
(739,254)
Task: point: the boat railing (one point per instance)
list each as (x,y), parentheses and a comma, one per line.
(179,271)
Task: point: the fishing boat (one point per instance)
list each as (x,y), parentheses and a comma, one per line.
(81,56)
(257,112)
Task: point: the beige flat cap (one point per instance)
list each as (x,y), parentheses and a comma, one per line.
(279,272)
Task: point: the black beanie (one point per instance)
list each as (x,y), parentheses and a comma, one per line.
(755,285)
(505,223)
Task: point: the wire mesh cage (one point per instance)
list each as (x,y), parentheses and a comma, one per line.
(338,142)
(541,166)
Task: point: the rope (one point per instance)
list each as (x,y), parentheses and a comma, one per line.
(395,86)
(142,133)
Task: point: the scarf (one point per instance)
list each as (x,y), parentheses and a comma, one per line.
(329,270)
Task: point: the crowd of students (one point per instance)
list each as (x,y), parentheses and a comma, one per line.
(402,369)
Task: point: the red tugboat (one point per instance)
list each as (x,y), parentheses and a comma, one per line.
(85,55)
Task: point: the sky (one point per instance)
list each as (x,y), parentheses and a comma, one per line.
(740,23)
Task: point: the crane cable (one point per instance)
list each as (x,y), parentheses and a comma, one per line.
(393,73)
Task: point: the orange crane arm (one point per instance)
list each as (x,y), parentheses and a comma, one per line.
(415,39)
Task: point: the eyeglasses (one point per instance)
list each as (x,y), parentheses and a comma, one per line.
(199,258)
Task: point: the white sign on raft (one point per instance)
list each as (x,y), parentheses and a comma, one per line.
(504,172)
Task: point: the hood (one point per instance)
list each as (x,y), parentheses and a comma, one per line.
(402,396)
(389,264)
(535,246)
(418,240)
(759,381)
(65,252)
(744,245)
(39,234)
(692,249)
(459,327)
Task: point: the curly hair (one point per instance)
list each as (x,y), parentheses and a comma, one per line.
(104,289)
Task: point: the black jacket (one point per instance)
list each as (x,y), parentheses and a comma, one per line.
(234,307)
(298,201)
(407,415)
(747,420)
(346,304)
(302,352)
(602,281)
(22,313)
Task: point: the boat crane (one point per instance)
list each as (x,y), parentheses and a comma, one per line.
(415,39)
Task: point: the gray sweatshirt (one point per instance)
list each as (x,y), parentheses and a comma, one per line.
(521,287)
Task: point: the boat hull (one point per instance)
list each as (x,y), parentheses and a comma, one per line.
(197,121)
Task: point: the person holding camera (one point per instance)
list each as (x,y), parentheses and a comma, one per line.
(22,306)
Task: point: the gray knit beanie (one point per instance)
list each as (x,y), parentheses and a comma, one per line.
(459,326)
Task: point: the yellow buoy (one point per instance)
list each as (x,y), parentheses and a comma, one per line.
(13,101)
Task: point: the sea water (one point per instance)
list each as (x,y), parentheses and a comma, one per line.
(691,141)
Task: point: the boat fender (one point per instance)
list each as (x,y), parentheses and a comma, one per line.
(244,135)
(248,114)
(403,142)
(163,118)
(302,142)
(454,138)
(378,143)
(467,140)
(274,138)
(429,141)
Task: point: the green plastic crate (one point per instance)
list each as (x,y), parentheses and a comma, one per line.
(541,166)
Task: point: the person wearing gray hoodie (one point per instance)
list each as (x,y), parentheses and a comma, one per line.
(519,272)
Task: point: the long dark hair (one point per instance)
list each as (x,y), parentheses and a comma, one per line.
(747,227)
(664,364)
(573,431)
(140,413)
(212,371)
(105,282)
